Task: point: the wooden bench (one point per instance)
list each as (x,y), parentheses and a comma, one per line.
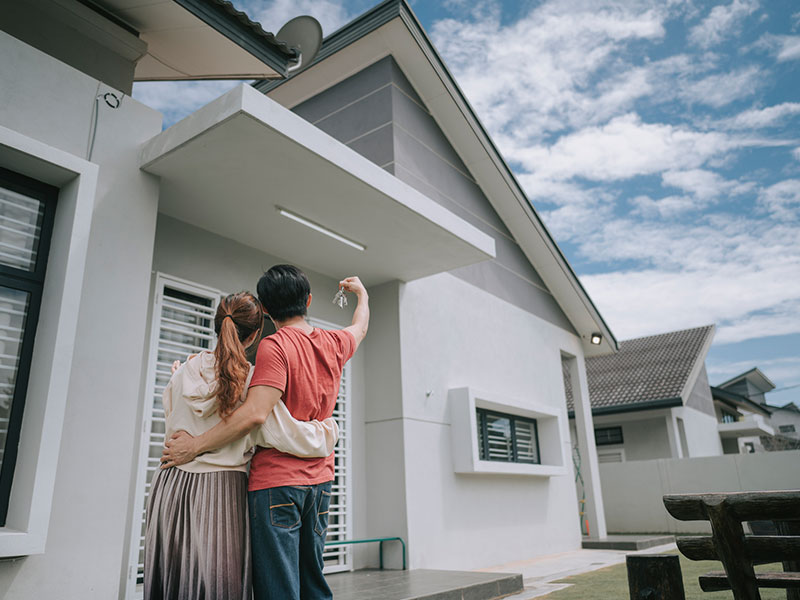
(737,551)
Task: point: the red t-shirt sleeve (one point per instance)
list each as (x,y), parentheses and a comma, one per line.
(347,344)
(271,365)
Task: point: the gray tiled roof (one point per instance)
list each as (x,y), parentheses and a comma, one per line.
(646,369)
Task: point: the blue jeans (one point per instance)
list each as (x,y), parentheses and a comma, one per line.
(287,530)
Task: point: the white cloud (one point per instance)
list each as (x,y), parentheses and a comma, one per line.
(785,369)
(272,15)
(722,22)
(621,149)
(704,185)
(796,153)
(782,200)
(176,99)
(759,118)
(721,89)
(544,65)
(784,47)
(746,300)
(667,207)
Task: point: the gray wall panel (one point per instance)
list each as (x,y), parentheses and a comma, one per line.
(494,278)
(359,117)
(400,80)
(376,146)
(416,120)
(359,85)
(493,227)
(428,166)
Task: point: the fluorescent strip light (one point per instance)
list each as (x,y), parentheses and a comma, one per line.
(320,228)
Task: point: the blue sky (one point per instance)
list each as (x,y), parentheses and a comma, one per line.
(659,140)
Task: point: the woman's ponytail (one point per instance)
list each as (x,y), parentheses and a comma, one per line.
(238,316)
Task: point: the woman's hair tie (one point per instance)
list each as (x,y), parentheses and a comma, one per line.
(229,316)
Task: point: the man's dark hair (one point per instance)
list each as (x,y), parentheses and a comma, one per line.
(284,290)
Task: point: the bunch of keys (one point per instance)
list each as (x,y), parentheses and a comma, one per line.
(340,299)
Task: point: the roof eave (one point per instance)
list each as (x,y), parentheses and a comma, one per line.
(237,27)
(634,407)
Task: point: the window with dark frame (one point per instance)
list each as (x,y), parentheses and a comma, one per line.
(728,417)
(507,438)
(27,211)
(786,428)
(608,436)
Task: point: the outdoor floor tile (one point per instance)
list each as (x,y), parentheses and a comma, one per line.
(421,584)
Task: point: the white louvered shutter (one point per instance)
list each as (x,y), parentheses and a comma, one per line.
(338,558)
(183,324)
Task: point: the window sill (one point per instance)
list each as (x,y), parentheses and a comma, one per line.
(15,543)
(488,467)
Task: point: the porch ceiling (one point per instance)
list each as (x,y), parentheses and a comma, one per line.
(228,167)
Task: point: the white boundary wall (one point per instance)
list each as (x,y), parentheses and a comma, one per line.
(633,491)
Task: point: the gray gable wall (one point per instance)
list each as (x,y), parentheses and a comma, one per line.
(744,388)
(700,396)
(377,113)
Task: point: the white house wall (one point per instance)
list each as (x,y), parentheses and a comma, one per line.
(86,543)
(644,433)
(453,335)
(702,434)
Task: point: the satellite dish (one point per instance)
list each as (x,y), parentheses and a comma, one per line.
(305,34)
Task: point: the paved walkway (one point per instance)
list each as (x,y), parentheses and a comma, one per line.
(539,574)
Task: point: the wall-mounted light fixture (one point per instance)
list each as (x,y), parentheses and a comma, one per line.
(596,338)
(317,227)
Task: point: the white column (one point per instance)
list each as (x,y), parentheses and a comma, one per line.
(593,511)
(672,436)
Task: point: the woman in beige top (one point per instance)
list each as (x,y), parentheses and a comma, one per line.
(197,542)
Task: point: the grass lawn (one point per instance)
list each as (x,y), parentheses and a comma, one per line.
(612,582)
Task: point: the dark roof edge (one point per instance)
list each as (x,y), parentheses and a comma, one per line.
(382,14)
(240,29)
(744,375)
(738,399)
(638,406)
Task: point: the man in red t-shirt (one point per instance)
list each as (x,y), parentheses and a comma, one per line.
(289,496)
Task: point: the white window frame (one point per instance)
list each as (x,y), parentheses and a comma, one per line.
(31,499)
(162,280)
(463,403)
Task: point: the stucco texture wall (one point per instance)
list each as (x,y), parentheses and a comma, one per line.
(454,334)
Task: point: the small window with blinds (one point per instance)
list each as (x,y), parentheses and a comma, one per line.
(608,436)
(27,209)
(507,438)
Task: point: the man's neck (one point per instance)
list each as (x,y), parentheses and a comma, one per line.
(298,322)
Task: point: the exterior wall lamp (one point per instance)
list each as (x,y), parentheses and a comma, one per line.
(596,338)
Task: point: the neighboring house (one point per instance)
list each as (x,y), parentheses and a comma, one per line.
(742,422)
(118,240)
(760,426)
(652,398)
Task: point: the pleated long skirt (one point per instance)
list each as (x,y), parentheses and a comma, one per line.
(197,542)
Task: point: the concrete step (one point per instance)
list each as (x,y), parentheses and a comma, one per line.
(626,542)
(423,584)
